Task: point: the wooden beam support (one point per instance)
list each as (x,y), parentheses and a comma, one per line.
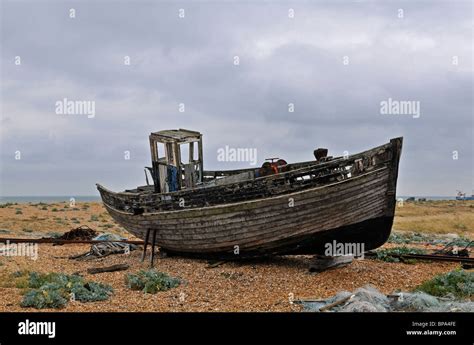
(147,236)
(113,268)
(201,160)
(191,152)
(153,242)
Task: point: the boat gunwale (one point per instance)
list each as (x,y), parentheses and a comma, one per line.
(241,202)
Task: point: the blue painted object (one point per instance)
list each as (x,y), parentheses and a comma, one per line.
(172,178)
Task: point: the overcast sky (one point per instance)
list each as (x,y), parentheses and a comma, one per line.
(336,62)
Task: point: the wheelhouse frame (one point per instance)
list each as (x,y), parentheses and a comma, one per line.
(169,172)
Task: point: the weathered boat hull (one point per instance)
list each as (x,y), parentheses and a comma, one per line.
(355,210)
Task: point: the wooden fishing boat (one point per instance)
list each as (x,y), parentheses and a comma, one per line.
(280,208)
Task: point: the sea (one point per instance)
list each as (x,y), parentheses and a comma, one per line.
(48,198)
(92,198)
(404,197)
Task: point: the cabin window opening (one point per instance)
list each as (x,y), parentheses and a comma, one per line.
(161,152)
(195,150)
(184,153)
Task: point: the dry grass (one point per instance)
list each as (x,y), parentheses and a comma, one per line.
(45,219)
(436,217)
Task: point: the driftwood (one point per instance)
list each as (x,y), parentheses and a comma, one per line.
(321,263)
(308,300)
(113,268)
(215,264)
(336,303)
(59,241)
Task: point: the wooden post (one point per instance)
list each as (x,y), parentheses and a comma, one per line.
(147,236)
(153,241)
(154,164)
(168,153)
(153,150)
(201,164)
(191,152)
(178,164)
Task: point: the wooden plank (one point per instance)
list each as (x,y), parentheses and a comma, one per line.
(285,216)
(113,268)
(59,241)
(336,303)
(201,160)
(320,264)
(216,264)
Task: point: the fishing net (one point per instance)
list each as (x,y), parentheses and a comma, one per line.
(365,299)
(103,249)
(369,299)
(418,301)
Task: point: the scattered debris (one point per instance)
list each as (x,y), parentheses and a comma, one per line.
(101,250)
(80,233)
(108,237)
(113,268)
(452,249)
(151,281)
